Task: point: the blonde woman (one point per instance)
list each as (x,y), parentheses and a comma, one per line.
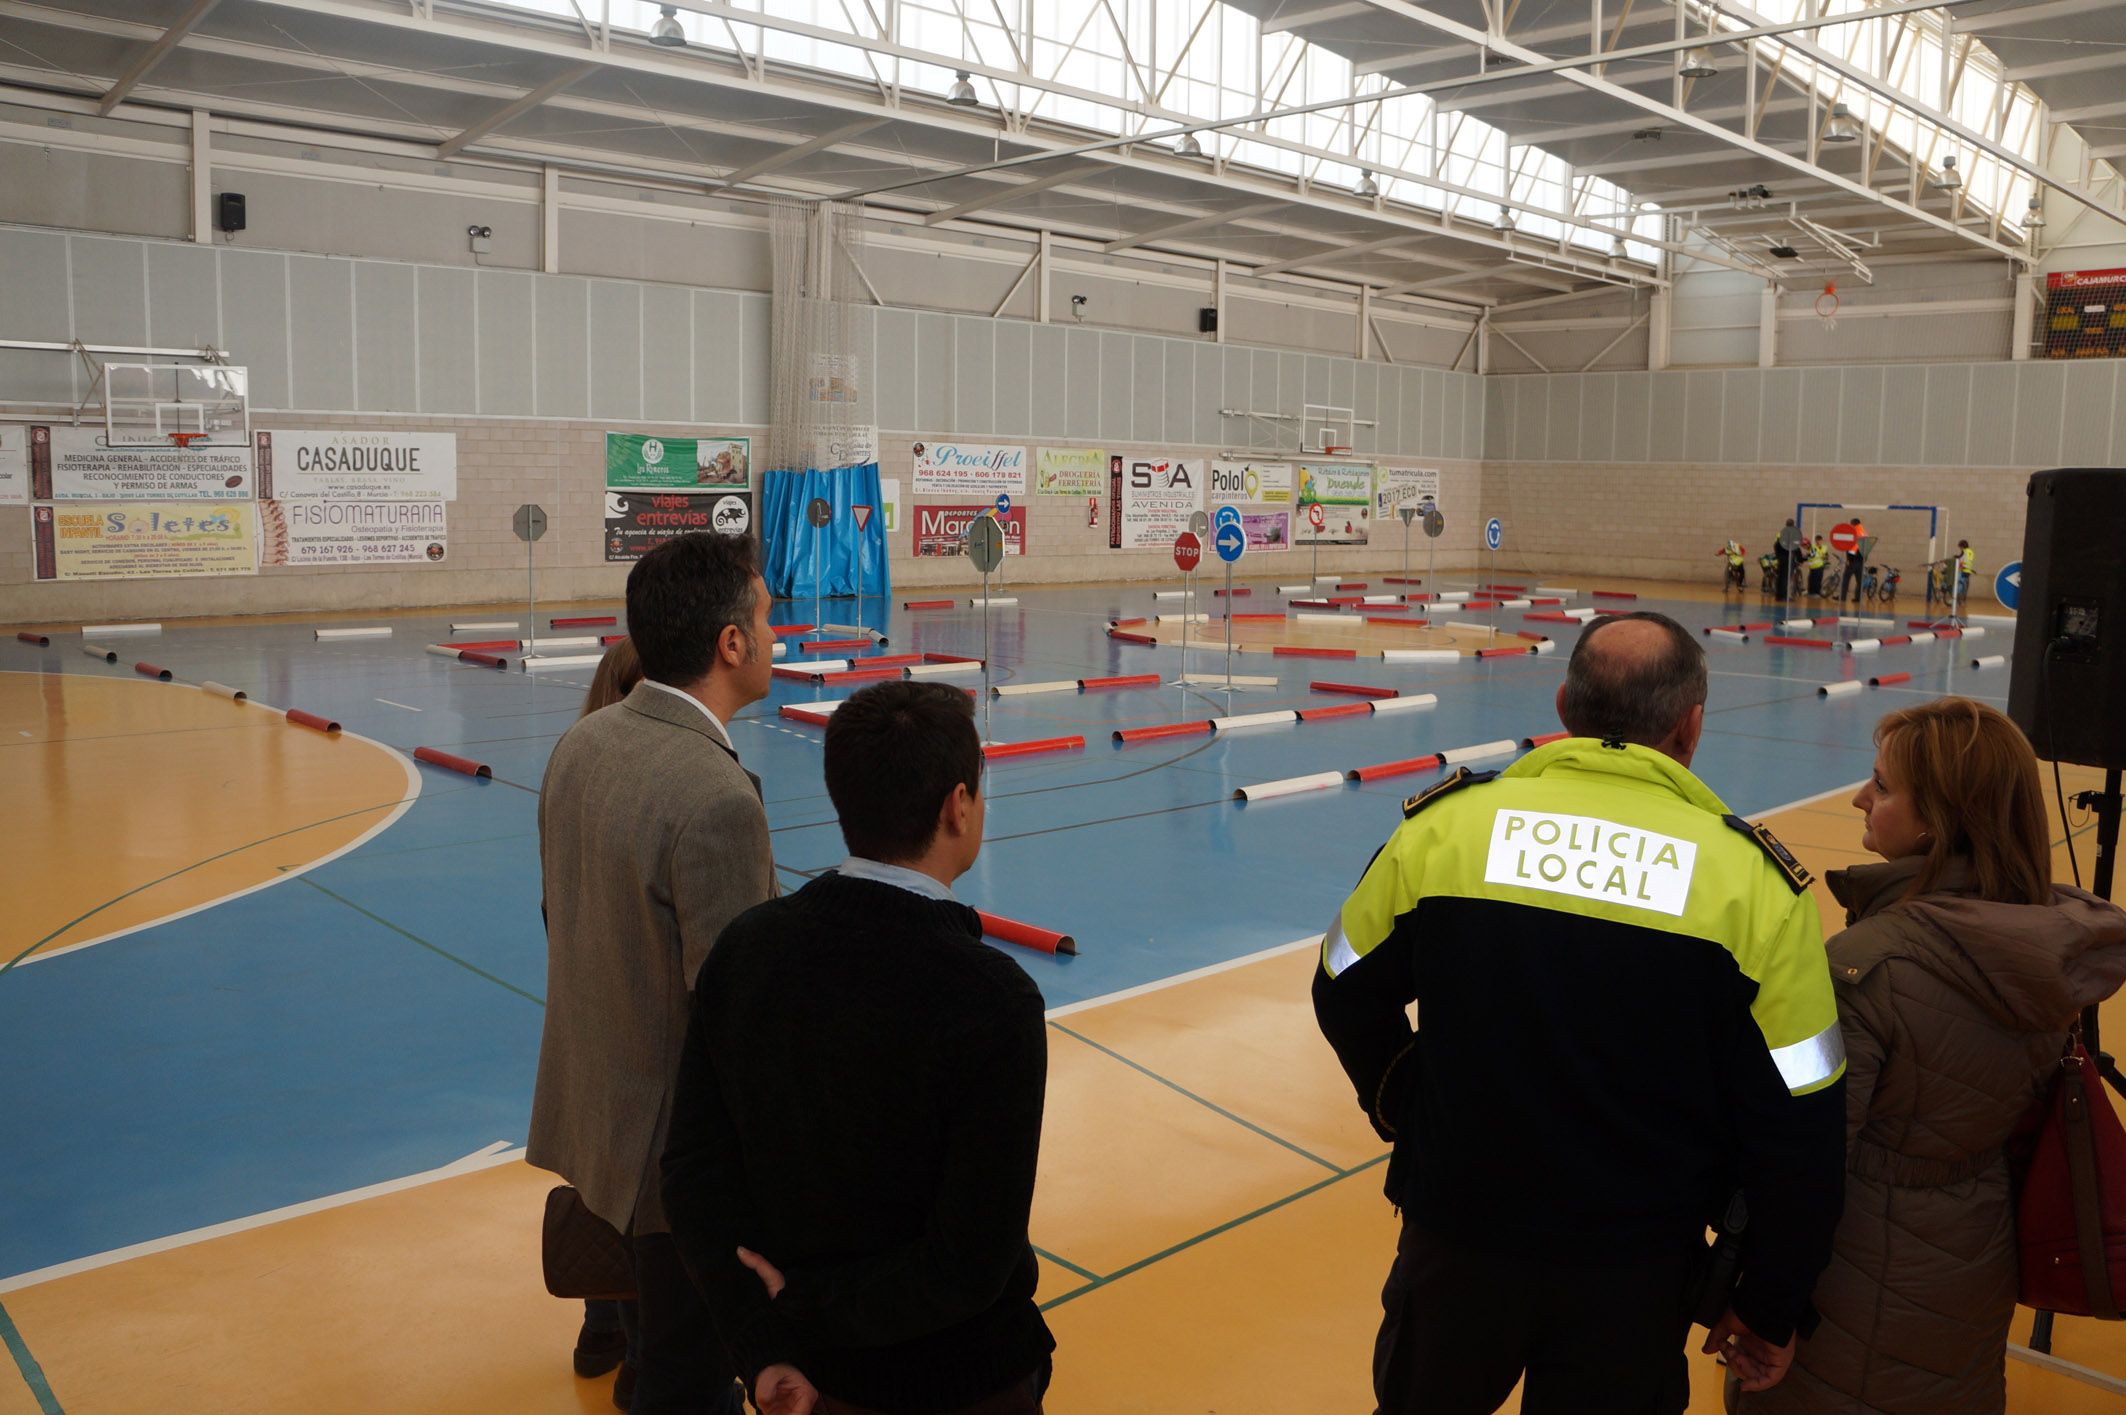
(1959,973)
(618,673)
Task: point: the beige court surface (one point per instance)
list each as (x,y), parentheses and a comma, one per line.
(1209,1213)
(152,799)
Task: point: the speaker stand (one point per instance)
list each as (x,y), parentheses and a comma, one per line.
(2106,803)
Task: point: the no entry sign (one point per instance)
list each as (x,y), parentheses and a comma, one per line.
(1188,551)
(1845,537)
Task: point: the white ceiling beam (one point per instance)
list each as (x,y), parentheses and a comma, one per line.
(1575,30)
(1982,25)
(517,108)
(2111,108)
(1625,127)
(157,52)
(1593,84)
(1335,254)
(1287,21)
(1190,227)
(798,152)
(2103,57)
(1441,282)
(1000,195)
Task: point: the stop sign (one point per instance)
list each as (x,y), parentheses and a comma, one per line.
(1188,550)
(1845,537)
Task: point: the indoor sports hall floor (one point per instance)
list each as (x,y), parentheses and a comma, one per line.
(270,999)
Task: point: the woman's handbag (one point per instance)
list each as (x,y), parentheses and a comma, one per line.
(583,1255)
(2070,1224)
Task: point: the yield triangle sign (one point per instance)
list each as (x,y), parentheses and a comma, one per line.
(862,515)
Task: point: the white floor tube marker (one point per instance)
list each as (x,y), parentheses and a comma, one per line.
(1839,690)
(1290,786)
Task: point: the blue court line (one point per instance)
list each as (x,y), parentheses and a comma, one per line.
(412,937)
(32,1373)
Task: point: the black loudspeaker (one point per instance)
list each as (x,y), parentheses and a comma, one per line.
(1207,320)
(229,211)
(2068,690)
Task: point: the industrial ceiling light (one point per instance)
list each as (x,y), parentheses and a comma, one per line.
(961,94)
(1367,187)
(1504,220)
(1948,181)
(2034,216)
(1618,249)
(1841,127)
(668,33)
(1698,64)
(1188,146)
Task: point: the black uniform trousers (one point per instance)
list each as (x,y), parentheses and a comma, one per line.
(1460,1327)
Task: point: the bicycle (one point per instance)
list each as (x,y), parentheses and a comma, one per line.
(1879,585)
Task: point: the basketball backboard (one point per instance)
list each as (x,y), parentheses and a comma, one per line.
(154,405)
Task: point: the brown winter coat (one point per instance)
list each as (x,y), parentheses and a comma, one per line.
(1954,1011)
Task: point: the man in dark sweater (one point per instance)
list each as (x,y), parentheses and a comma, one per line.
(858,1110)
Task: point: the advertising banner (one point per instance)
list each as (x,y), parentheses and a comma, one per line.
(313,531)
(969,469)
(940,530)
(1154,499)
(635,521)
(1345,495)
(74,464)
(1393,486)
(14,466)
(635,463)
(1259,483)
(1069,471)
(890,494)
(130,541)
(1267,530)
(358,466)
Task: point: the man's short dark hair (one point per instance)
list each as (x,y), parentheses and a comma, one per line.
(681,597)
(1633,697)
(894,753)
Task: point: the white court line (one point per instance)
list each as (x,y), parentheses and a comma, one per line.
(403,805)
(487,1157)
(1068,1008)
(408,706)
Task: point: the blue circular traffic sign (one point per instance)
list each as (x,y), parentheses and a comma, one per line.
(1231,541)
(1494,533)
(2008,584)
(1003,503)
(1226,516)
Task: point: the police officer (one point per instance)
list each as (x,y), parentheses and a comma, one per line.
(1625,1017)
(1966,564)
(1819,555)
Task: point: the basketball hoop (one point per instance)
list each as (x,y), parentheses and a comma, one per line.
(184,440)
(1827,305)
(1330,449)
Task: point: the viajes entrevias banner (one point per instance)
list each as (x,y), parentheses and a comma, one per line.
(1259,483)
(1069,471)
(135,541)
(942,530)
(639,463)
(343,465)
(969,469)
(76,464)
(1153,500)
(636,521)
(314,531)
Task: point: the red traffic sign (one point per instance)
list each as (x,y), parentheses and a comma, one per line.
(1188,550)
(862,515)
(1845,537)
(1315,518)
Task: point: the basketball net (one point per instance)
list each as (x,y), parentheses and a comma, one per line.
(1827,306)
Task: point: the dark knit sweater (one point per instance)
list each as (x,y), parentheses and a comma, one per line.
(859,1102)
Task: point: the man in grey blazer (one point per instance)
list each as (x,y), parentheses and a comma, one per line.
(652,837)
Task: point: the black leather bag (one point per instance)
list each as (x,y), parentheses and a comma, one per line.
(583,1255)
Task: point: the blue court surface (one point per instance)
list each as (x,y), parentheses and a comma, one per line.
(379,1015)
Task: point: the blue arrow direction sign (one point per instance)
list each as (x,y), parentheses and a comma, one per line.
(1232,542)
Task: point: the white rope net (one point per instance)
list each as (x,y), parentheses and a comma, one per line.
(820,400)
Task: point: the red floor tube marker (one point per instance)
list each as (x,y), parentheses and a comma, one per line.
(1126,735)
(1356,690)
(926,604)
(1130,680)
(583,622)
(312,720)
(451,763)
(998,927)
(151,671)
(42,641)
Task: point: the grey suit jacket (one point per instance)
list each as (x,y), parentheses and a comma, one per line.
(652,837)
